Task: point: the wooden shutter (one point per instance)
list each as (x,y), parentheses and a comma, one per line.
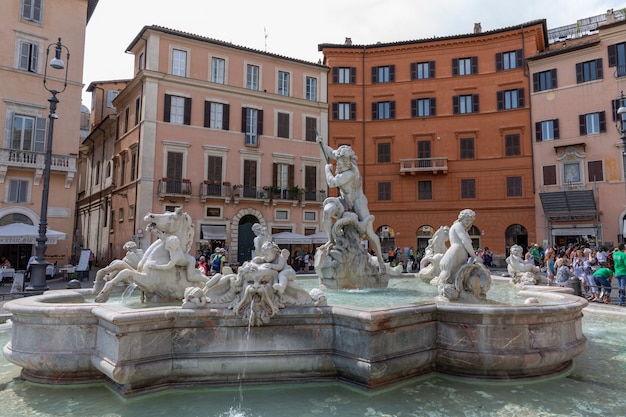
(374,75)
(474,61)
(520,98)
(433,106)
(579,72)
(414,107)
(392,73)
(602,117)
(475,105)
(167,108)
(353,75)
(455,66)
(538,134)
(214,168)
(187,114)
(612,54)
(413,69)
(335,75)
(290,175)
(555,126)
(39,144)
(392,109)
(599,73)
(431,69)
(259,123)
(352,111)
(536,82)
(207,113)
(500,100)
(499,61)
(582,124)
(226,117)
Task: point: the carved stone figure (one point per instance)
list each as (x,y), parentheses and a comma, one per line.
(343,262)
(166,269)
(462,274)
(521,271)
(429,265)
(260,288)
(130,261)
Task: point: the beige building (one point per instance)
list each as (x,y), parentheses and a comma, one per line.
(578,154)
(224,132)
(28,28)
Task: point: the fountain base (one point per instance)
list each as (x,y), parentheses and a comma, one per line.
(59,338)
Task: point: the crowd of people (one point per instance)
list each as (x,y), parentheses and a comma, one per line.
(594,268)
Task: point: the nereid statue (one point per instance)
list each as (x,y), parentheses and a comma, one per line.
(521,270)
(462,273)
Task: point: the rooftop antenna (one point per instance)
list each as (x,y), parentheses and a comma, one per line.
(266,35)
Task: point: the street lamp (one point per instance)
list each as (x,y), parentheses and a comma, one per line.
(38,267)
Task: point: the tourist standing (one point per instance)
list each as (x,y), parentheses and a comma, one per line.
(602,279)
(619,261)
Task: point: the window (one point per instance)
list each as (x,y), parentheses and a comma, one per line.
(545,80)
(310,183)
(465,66)
(126,119)
(468,188)
(422,70)
(137,110)
(133,165)
(510,99)
(617,58)
(423,150)
(509,60)
(28,133)
(31,10)
(384,152)
(384,191)
(547,130)
(344,75)
(283,83)
(310,129)
(592,123)
(595,171)
(311,89)
(549,175)
(514,186)
(131,212)
(281,215)
(121,215)
(252,125)
(179,62)
(216,115)
(218,69)
(571,172)
(384,74)
(29,57)
(425,190)
(122,170)
(97,174)
(141,61)
(111,94)
(466,148)
(177,110)
(282,128)
(512,145)
(423,107)
(213,212)
(465,104)
(249,178)
(383,110)
(310,216)
(589,71)
(252,77)
(344,111)
(18,191)
(214,172)
(283,176)
(174,172)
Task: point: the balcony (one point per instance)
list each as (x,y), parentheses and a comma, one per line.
(215,190)
(16,158)
(432,165)
(170,188)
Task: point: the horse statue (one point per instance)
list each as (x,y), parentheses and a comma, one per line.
(429,265)
(166,268)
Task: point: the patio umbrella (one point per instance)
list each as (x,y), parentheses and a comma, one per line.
(289,238)
(22,233)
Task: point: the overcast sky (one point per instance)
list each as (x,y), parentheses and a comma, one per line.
(293,28)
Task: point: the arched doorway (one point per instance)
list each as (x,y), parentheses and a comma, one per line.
(423,235)
(17,254)
(387,238)
(474,234)
(245,243)
(515,234)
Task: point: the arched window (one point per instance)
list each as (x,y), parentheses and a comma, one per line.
(515,234)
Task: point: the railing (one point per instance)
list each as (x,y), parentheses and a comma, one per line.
(424,164)
(174,188)
(36,160)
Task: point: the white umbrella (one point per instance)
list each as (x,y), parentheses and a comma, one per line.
(289,238)
(319,237)
(22,233)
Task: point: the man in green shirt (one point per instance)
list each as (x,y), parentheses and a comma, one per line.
(619,261)
(602,279)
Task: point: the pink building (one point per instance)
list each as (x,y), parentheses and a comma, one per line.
(225,132)
(578,153)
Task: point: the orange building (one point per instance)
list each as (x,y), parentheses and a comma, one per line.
(440,125)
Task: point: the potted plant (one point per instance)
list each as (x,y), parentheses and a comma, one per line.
(274,191)
(295,192)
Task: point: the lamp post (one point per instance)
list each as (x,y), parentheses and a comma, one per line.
(38,267)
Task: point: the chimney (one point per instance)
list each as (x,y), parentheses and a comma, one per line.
(477,28)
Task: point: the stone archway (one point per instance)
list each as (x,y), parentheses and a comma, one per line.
(515,234)
(423,234)
(241,230)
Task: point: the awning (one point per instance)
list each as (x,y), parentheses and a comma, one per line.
(213,232)
(26,234)
(289,238)
(574,231)
(319,237)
